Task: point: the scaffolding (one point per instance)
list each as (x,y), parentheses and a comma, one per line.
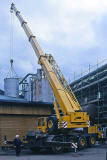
(91,88)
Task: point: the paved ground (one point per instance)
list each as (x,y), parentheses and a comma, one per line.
(96,153)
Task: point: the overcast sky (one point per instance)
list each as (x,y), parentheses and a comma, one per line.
(73,31)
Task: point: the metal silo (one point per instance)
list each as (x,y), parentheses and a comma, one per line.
(11,82)
(42,91)
(47,93)
(11,87)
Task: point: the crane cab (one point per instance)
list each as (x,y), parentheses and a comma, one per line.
(42,124)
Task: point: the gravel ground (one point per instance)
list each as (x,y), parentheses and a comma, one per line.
(96,153)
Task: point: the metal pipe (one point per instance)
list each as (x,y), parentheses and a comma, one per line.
(29,74)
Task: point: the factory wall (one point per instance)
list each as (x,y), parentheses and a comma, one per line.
(10,125)
(18,118)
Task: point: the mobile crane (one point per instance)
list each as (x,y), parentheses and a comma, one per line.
(61,129)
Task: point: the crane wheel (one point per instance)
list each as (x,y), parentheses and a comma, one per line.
(57,148)
(52,124)
(91,141)
(82,143)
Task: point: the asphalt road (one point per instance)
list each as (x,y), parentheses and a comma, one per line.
(96,153)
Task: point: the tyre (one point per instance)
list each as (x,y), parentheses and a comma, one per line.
(70,139)
(57,148)
(82,142)
(31,140)
(91,141)
(52,124)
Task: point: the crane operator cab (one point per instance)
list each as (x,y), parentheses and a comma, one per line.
(42,124)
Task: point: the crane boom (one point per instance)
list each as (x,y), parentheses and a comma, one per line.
(65,97)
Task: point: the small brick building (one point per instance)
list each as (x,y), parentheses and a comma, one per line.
(19,117)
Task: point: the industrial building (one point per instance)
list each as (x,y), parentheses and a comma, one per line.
(92,89)
(19,117)
(18,111)
(35,87)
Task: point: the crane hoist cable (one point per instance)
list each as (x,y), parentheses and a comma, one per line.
(11,73)
(11,34)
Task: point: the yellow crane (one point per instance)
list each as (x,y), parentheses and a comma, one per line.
(69,114)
